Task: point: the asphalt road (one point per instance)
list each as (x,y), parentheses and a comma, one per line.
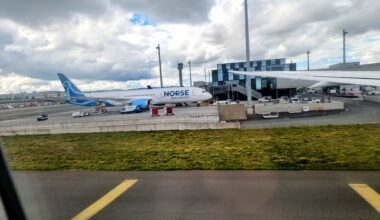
(199,194)
(63,113)
(33,112)
(357,112)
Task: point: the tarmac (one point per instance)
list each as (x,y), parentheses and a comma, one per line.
(356,112)
(63,114)
(184,118)
(198,194)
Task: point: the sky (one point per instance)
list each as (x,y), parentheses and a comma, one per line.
(111,44)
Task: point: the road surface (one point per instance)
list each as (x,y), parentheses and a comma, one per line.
(199,194)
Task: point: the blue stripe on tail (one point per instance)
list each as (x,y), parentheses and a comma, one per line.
(70,88)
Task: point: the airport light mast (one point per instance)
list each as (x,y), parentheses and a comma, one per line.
(205,75)
(191,82)
(159,61)
(180,68)
(248,78)
(344,45)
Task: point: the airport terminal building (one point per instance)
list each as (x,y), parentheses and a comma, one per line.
(226,85)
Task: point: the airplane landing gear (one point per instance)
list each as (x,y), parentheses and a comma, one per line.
(100,109)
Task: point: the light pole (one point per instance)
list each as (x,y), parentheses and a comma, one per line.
(159,61)
(205,75)
(344,45)
(191,82)
(308,60)
(248,80)
(180,68)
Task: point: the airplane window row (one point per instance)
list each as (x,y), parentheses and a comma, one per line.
(145,95)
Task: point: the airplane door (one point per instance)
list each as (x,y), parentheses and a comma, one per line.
(193,95)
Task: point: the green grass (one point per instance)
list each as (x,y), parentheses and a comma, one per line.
(355,147)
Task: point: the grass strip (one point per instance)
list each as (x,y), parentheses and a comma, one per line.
(338,147)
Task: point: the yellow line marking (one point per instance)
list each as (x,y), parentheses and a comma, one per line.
(368,194)
(105,200)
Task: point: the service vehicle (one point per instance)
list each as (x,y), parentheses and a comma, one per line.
(78,114)
(131,109)
(42,117)
(271,115)
(265,99)
(373,92)
(296,100)
(309,90)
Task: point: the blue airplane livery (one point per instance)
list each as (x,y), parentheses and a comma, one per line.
(136,97)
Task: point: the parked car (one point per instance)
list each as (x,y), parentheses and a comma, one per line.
(9,107)
(373,92)
(87,114)
(295,100)
(223,102)
(283,100)
(308,90)
(265,99)
(42,117)
(78,114)
(306,99)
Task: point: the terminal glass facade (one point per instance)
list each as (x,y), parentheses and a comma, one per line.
(221,76)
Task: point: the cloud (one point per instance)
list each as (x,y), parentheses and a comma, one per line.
(42,12)
(112,44)
(169,11)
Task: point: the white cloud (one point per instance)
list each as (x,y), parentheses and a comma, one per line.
(101,46)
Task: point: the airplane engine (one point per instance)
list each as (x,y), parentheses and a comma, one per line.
(143,103)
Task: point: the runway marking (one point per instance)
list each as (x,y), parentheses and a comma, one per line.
(368,194)
(101,203)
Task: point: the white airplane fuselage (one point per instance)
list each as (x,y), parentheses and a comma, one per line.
(169,95)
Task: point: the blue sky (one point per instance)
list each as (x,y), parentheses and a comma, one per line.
(138,19)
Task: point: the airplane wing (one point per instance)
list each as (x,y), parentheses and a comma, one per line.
(367,78)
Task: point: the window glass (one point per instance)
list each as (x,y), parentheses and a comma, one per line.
(258,83)
(220,75)
(230,76)
(286,67)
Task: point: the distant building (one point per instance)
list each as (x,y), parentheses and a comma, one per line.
(355,66)
(228,85)
(352,66)
(200,84)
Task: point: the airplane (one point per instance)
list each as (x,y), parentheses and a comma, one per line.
(323,78)
(142,98)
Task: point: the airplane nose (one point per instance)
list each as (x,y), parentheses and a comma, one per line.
(209,96)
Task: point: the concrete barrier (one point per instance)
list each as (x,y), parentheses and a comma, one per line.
(296,108)
(144,124)
(372,98)
(233,112)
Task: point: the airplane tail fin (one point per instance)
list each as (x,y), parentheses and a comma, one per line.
(70,88)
